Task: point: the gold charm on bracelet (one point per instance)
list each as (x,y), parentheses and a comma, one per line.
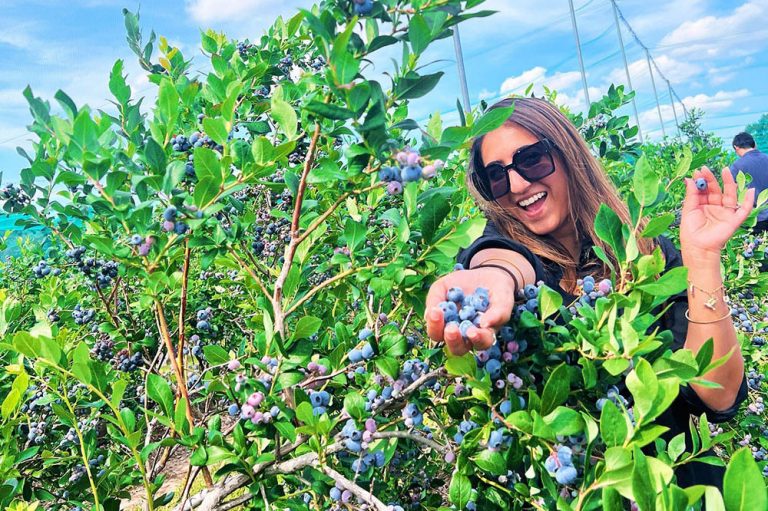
(711,302)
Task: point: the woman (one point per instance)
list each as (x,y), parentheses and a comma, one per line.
(540,189)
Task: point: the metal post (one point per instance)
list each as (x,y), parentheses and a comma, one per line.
(578,52)
(653,83)
(626,68)
(674,110)
(460,65)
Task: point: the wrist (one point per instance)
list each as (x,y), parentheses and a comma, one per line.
(700,257)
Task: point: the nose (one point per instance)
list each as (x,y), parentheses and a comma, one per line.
(517,183)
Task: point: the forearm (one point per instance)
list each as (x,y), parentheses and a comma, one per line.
(510,259)
(704,275)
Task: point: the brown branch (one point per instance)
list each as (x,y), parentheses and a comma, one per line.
(183,307)
(181,382)
(277,297)
(328,282)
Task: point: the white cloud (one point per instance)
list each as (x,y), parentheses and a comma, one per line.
(212,11)
(676,71)
(719,101)
(735,35)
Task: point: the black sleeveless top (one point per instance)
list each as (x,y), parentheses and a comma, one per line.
(677,416)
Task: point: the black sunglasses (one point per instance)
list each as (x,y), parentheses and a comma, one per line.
(532,162)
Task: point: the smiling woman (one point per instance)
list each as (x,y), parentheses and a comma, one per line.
(541,191)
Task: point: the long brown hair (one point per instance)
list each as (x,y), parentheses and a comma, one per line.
(588,186)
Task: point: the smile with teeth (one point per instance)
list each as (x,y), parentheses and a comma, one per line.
(530,200)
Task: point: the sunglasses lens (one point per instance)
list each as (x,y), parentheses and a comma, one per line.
(534,162)
(497,180)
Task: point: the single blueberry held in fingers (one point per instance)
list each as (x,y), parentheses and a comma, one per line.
(701,184)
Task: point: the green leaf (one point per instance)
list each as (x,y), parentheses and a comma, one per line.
(413,86)
(608,228)
(491,461)
(80,360)
(354,404)
(354,232)
(613,425)
(657,225)
(645,182)
(670,283)
(433,212)
(168,103)
(418,34)
(155,155)
(743,485)
(329,111)
(460,490)
(207,164)
(565,421)
(556,389)
(642,484)
(205,191)
(160,392)
(644,386)
(492,119)
(283,114)
(465,365)
(549,301)
(216,129)
(215,354)
(306,327)
(305,414)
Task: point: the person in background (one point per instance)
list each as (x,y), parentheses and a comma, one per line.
(755,163)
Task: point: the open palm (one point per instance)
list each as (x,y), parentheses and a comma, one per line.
(711,216)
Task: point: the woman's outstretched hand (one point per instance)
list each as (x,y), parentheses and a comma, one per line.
(501,294)
(711,215)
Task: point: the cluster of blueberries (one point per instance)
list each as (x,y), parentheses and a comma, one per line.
(467,309)
(591,291)
(755,379)
(756,407)
(170,222)
(36,432)
(15,197)
(144,244)
(357,441)
(268,238)
(409,169)
(103,349)
(249,410)
(560,464)
(42,269)
(103,271)
(180,143)
(412,415)
(82,316)
(612,394)
(465,427)
(319,400)
(126,362)
(204,319)
(752,244)
(53,315)
(366,352)
(362,7)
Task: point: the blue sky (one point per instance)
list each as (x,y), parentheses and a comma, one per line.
(714,54)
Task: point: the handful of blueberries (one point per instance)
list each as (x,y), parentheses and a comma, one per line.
(464,310)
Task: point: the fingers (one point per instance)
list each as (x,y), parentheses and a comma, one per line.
(729,188)
(693,198)
(712,194)
(477,339)
(434,321)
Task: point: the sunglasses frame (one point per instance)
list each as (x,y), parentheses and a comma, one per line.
(483,184)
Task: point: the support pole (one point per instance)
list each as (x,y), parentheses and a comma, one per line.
(653,83)
(578,52)
(674,109)
(460,65)
(626,68)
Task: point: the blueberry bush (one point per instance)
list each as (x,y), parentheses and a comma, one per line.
(237,273)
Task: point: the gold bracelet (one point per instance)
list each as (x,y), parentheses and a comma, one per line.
(711,303)
(727,315)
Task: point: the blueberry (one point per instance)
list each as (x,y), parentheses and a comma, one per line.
(355,355)
(566,474)
(701,184)
(367,351)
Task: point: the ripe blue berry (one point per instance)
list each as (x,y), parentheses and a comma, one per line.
(701,184)
(566,474)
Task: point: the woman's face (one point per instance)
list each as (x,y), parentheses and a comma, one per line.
(544,208)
